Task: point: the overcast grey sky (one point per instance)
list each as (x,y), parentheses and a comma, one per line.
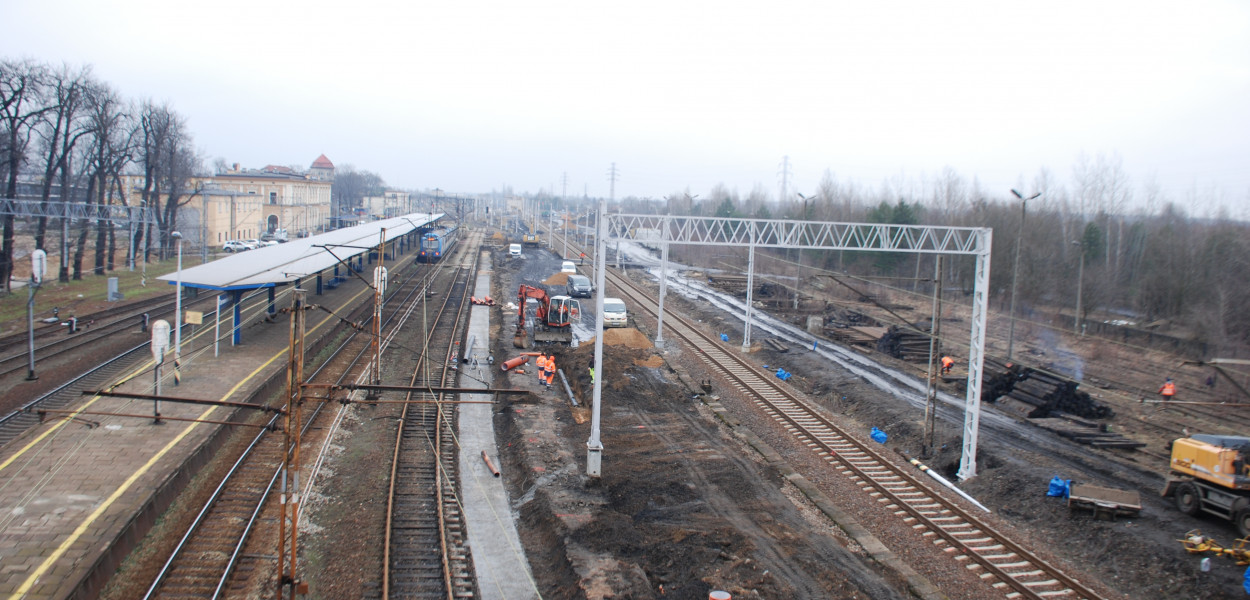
(469,95)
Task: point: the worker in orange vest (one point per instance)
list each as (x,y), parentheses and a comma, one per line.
(1168,390)
(947,364)
(551,369)
(540,364)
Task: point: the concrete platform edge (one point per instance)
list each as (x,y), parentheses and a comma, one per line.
(142,520)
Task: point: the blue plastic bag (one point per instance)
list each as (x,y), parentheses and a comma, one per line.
(1245,581)
(879,436)
(724,337)
(1059,488)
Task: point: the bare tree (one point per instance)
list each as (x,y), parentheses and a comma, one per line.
(351,187)
(168,160)
(61,127)
(22,103)
(111,151)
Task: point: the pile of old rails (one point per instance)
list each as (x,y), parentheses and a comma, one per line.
(858,336)
(905,343)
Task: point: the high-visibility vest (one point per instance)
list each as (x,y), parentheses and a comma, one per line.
(592,374)
(1168,389)
(551,365)
(541,362)
(947,361)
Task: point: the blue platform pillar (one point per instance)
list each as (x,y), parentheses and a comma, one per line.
(318,283)
(272,309)
(236,331)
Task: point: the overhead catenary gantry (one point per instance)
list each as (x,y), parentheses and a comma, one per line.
(807,235)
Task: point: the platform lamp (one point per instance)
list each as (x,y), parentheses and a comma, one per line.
(798,279)
(1015,271)
(178,311)
(1080,278)
(38,268)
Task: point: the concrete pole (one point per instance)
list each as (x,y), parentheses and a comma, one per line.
(1080,279)
(746,329)
(659,324)
(594,446)
(935,348)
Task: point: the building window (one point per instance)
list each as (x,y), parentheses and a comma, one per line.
(273,198)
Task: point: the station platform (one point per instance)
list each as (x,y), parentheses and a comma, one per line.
(78,491)
(502,570)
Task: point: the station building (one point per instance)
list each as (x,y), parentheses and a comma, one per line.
(240,203)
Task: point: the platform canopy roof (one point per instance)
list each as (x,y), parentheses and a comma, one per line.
(298,258)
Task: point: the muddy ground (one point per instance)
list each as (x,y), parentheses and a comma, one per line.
(684,507)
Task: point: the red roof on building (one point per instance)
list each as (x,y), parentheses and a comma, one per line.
(322,163)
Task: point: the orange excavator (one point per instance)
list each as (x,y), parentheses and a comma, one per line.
(553,321)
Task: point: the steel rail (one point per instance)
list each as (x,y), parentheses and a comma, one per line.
(105,320)
(453,583)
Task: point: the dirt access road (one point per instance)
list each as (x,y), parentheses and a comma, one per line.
(658,516)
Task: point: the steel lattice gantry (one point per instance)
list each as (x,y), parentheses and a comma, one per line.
(822,235)
(72,210)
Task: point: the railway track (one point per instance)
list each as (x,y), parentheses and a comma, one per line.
(212,558)
(107,373)
(426,555)
(971,542)
(54,340)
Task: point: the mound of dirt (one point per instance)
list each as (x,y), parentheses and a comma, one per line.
(558,279)
(623,337)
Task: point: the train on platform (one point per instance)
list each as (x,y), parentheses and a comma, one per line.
(437,243)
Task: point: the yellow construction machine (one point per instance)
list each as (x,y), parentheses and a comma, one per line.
(1210,474)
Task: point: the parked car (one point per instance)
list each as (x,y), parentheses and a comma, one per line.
(253,243)
(264,243)
(514,250)
(580,286)
(568,267)
(614,313)
(233,246)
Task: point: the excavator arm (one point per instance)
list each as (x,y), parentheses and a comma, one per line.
(525,293)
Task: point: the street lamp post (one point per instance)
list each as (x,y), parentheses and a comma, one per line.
(178,312)
(1080,279)
(799,278)
(1015,271)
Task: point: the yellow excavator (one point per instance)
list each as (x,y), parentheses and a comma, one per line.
(1210,474)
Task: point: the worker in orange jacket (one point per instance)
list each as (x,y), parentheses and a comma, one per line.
(1168,390)
(540,364)
(947,364)
(551,369)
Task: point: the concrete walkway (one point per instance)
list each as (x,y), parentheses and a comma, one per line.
(503,572)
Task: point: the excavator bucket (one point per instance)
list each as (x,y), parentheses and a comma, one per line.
(520,340)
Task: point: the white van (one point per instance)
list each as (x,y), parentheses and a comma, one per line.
(514,250)
(614,314)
